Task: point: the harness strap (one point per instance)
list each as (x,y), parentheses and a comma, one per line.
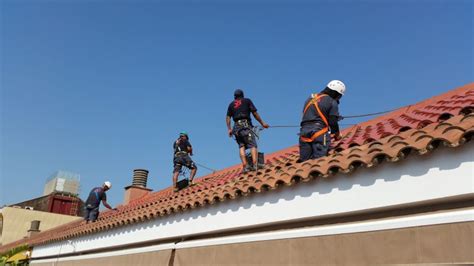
(177,145)
(314,102)
(180,153)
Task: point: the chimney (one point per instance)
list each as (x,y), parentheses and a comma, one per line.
(34,228)
(138,188)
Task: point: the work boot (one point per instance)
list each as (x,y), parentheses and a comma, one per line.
(247,169)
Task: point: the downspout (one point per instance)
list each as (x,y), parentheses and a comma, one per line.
(173,252)
(69,242)
(59,253)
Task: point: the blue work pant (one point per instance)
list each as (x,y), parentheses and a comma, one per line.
(91,214)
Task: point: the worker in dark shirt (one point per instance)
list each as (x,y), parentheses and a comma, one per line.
(182,152)
(239,110)
(320,121)
(92,203)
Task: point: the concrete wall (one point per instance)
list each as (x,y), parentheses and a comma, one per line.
(16,222)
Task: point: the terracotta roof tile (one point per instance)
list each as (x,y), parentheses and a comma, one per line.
(446,119)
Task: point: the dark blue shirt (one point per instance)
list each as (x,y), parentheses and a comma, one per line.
(95,197)
(240,109)
(327,105)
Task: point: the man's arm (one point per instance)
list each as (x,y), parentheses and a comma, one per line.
(104,201)
(259,119)
(333,119)
(229,129)
(190,149)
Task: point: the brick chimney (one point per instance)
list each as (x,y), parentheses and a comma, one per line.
(34,228)
(138,188)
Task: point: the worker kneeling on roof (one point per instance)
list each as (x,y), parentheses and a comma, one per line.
(319,122)
(182,152)
(97,195)
(239,110)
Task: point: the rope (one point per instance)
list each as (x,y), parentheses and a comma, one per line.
(371,114)
(205,167)
(184,172)
(344,117)
(287,126)
(282,126)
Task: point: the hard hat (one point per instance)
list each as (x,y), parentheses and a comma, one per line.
(108,184)
(337,85)
(183,133)
(238,93)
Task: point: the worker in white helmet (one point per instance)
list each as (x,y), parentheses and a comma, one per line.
(92,203)
(320,121)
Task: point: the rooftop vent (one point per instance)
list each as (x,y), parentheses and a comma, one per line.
(138,188)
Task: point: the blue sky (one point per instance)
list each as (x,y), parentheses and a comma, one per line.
(101,88)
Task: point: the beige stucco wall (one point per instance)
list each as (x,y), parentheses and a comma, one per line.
(422,245)
(444,243)
(16,222)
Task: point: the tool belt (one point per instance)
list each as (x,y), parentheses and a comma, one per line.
(243,123)
(180,153)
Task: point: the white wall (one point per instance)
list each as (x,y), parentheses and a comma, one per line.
(450,217)
(443,174)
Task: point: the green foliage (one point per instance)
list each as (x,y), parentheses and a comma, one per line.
(5,256)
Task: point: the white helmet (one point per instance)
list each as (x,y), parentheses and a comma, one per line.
(337,85)
(108,184)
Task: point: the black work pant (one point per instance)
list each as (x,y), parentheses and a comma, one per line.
(245,137)
(183,160)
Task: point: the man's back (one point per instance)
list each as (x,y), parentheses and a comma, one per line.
(96,195)
(240,109)
(327,106)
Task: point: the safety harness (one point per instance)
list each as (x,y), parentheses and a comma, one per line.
(178,152)
(314,101)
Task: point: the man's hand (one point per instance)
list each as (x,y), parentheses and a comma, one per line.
(336,136)
(265,125)
(229,131)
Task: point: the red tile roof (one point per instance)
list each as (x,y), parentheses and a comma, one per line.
(419,128)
